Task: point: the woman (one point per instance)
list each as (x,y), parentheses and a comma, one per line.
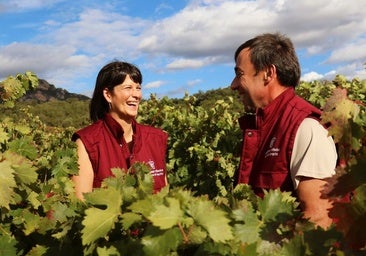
(115,139)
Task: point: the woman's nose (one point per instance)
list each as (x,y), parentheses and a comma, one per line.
(136,93)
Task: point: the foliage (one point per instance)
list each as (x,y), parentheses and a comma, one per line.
(13,88)
(203,142)
(200,213)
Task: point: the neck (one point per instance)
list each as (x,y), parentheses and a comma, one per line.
(126,126)
(275,91)
(127,130)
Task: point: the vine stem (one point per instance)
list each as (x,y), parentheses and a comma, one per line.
(185,237)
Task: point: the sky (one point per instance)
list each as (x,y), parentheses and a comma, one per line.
(181,46)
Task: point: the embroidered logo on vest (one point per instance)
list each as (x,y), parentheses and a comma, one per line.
(152,164)
(154,171)
(272,151)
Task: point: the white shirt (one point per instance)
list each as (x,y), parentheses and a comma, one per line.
(314,154)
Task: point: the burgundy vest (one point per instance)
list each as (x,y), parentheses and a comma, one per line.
(268,139)
(107,149)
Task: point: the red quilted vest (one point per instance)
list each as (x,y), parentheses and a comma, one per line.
(268,139)
(107,149)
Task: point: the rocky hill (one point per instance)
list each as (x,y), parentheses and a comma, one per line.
(48,92)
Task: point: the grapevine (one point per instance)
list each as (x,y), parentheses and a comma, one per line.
(200,212)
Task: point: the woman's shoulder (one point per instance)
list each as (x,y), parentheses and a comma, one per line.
(90,130)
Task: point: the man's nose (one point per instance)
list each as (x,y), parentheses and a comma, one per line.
(234,84)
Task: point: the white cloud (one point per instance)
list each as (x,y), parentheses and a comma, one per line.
(354,51)
(97,31)
(185,63)
(75,44)
(311,76)
(155,84)
(24,5)
(194,82)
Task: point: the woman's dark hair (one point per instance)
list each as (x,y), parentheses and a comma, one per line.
(274,49)
(108,77)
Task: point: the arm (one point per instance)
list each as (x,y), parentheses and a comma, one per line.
(84,180)
(312,204)
(313,158)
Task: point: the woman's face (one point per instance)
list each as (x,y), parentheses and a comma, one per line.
(124,99)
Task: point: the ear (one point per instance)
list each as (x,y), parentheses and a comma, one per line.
(270,73)
(107,95)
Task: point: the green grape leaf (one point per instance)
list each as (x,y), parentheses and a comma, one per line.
(7,244)
(30,80)
(275,203)
(129,218)
(23,129)
(98,222)
(37,250)
(33,199)
(7,183)
(294,247)
(103,251)
(23,168)
(312,237)
(160,243)
(24,147)
(166,217)
(144,206)
(4,136)
(196,235)
(61,211)
(31,222)
(248,232)
(214,220)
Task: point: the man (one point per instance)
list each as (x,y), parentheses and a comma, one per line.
(284,145)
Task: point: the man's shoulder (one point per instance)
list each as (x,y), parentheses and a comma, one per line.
(303,105)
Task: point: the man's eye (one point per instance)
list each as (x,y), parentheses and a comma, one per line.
(239,74)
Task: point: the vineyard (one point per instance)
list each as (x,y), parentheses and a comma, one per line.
(200,212)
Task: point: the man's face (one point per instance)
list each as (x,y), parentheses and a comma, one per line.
(248,83)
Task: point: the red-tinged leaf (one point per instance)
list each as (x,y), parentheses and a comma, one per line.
(350,218)
(345,181)
(337,112)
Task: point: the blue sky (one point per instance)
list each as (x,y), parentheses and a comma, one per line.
(181,46)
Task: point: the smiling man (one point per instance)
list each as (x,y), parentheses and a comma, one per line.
(284,145)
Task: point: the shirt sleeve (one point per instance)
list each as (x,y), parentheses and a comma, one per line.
(314,153)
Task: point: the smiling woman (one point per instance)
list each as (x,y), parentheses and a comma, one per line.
(115,139)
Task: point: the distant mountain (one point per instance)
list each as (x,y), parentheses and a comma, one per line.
(48,92)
